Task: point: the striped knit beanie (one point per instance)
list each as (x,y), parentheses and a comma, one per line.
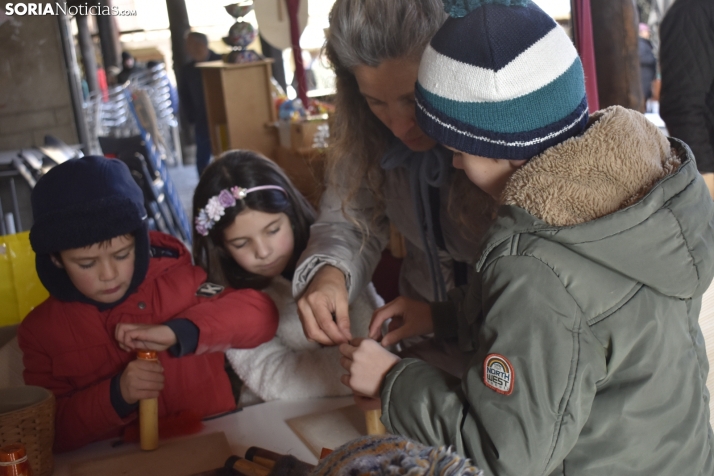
(500,79)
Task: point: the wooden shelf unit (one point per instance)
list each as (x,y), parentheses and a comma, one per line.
(239,106)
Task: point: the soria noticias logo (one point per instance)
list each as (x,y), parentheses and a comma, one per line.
(23,8)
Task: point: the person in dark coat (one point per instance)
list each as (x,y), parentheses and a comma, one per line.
(648,61)
(192,98)
(129,67)
(687,64)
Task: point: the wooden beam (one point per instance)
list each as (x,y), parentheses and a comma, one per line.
(179,27)
(86,47)
(616,55)
(109,38)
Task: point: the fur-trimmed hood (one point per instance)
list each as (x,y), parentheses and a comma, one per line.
(622,197)
(611,166)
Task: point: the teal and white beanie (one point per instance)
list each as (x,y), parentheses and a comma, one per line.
(500,79)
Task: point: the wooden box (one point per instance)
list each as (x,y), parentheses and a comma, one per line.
(303,133)
(239,106)
(306,169)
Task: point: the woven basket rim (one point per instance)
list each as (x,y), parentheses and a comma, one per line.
(48,396)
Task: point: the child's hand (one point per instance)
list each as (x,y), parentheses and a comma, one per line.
(367,363)
(141,379)
(409,318)
(144,337)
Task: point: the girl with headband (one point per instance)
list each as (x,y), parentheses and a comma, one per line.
(251,225)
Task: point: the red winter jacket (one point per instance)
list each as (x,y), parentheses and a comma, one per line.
(69,347)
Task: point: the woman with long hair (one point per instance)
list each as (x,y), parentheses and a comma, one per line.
(383,170)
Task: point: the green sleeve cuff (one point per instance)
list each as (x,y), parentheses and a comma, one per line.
(443,315)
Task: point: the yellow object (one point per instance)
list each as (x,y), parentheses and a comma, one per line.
(20,288)
(148,413)
(149,423)
(374,424)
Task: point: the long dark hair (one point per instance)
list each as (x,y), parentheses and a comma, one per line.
(246,169)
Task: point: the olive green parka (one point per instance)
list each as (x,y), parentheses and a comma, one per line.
(588,358)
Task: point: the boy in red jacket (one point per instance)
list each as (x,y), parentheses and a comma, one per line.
(114,288)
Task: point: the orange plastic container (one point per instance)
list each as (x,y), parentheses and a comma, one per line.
(13,460)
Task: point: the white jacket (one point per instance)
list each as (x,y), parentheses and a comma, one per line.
(290,367)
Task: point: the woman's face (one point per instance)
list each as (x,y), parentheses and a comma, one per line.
(261,243)
(389,91)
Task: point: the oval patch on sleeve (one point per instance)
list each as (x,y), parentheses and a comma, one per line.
(498,374)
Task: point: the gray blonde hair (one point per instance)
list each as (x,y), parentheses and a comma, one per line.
(368,32)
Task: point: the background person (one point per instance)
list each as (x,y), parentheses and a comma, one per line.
(687,65)
(193,101)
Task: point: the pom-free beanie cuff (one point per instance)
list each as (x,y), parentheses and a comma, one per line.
(85,201)
(497,145)
(86,224)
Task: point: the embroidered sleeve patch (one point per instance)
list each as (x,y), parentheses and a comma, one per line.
(498,374)
(209,289)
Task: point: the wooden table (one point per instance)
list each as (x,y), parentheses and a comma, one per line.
(263,425)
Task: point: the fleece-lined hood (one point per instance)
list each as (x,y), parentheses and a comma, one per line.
(622,196)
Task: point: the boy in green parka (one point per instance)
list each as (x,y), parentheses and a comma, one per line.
(582,315)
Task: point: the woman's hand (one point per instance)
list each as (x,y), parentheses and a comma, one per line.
(409,318)
(144,337)
(367,363)
(141,379)
(323,308)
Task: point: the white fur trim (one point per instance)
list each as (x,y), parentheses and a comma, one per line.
(290,367)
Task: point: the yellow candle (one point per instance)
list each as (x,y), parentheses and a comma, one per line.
(148,413)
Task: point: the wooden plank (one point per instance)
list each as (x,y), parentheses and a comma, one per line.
(615,33)
(183,457)
(329,429)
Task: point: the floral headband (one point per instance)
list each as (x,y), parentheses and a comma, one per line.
(216,206)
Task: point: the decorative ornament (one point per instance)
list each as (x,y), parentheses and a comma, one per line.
(240,35)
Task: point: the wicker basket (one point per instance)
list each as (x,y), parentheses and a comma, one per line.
(27,415)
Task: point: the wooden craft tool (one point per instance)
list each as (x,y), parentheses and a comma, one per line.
(374,424)
(244,467)
(177,457)
(262,456)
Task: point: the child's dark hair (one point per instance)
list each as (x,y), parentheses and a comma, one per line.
(246,169)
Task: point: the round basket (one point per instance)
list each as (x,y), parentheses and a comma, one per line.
(27,415)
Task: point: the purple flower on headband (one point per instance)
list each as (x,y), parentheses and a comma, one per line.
(201,229)
(203,223)
(226,199)
(214,209)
